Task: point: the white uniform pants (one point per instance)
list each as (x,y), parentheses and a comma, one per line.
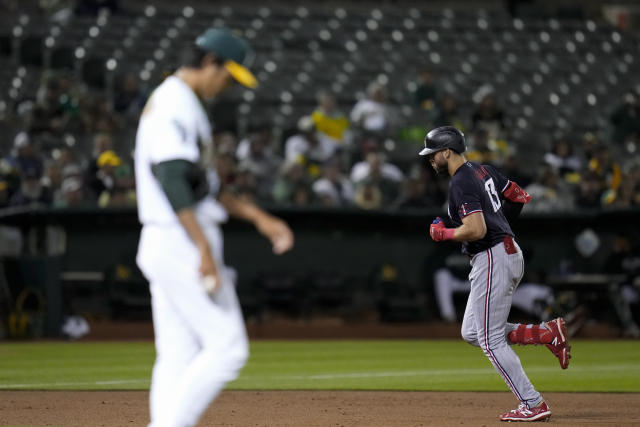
(494,277)
(201,341)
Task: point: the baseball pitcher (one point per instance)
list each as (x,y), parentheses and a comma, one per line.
(200,337)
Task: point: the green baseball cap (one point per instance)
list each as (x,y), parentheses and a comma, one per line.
(234,51)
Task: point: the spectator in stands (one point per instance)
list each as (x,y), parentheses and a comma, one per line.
(98,116)
(52,178)
(129,98)
(123,192)
(226,142)
(307,147)
(376,172)
(625,120)
(421,190)
(292,186)
(245,184)
(329,121)
(628,194)
(72,194)
(31,191)
(607,170)
(448,114)
(68,160)
(48,118)
(255,155)
(634,175)
(548,193)
(368,195)
(4,193)
(590,143)
(9,174)
(26,159)
(101,142)
(69,91)
(372,114)
(589,190)
(425,94)
(226,166)
(562,159)
(333,189)
(375,164)
(489,116)
(302,196)
(104,179)
(484,151)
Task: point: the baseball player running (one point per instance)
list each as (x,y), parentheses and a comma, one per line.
(479,198)
(200,337)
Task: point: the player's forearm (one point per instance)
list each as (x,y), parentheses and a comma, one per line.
(188,220)
(241,209)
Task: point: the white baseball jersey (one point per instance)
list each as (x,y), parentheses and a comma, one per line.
(173,126)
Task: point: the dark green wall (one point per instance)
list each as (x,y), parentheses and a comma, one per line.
(350,243)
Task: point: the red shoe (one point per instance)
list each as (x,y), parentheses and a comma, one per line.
(559,345)
(539,413)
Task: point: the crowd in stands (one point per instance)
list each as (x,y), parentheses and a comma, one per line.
(73,147)
(65,155)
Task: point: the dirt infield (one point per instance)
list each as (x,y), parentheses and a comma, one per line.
(313,408)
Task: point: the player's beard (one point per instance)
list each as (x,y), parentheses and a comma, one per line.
(441,167)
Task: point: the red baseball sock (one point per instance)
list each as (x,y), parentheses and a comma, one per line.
(530,334)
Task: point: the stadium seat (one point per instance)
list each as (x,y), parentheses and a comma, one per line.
(31,51)
(94,71)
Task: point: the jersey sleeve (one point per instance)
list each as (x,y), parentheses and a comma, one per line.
(169,141)
(465,199)
(501,182)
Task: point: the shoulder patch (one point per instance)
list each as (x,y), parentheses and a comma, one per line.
(463,210)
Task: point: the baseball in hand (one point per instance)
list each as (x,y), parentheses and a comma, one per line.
(210,283)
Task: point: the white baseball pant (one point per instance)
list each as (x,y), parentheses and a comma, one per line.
(494,276)
(201,341)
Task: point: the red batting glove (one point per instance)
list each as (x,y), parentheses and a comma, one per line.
(439,232)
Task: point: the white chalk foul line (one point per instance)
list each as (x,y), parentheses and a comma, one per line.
(74,384)
(331,376)
(433,372)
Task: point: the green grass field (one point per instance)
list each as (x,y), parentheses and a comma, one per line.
(597,366)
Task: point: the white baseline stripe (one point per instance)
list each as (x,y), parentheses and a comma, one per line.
(345,375)
(75,384)
(429,372)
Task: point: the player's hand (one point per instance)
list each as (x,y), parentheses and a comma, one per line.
(439,232)
(209,271)
(277,231)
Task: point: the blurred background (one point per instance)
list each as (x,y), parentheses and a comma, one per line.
(547,91)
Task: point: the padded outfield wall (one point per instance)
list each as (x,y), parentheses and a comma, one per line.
(360,248)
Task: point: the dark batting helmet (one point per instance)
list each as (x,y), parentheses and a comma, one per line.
(442,138)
